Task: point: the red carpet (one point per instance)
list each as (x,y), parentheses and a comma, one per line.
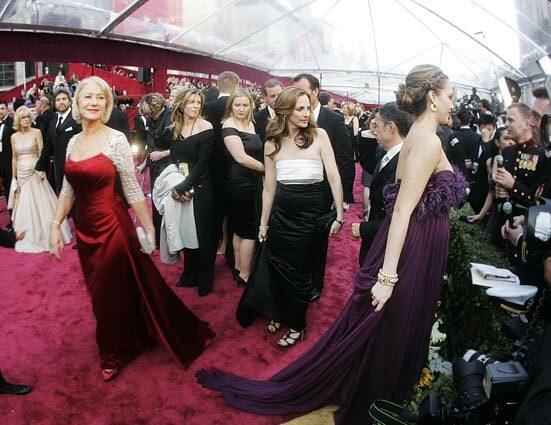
(47,341)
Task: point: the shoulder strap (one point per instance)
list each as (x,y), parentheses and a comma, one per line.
(230,131)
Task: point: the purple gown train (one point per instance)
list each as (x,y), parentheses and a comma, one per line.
(366,355)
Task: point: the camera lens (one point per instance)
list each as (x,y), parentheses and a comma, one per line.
(468,377)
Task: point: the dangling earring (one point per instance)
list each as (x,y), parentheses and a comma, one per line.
(434,107)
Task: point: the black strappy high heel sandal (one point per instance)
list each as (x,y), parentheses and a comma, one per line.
(274,326)
(290,338)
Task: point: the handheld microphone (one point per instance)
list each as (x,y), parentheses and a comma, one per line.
(508,210)
(499,161)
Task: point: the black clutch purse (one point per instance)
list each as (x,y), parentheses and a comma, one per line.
(325,221)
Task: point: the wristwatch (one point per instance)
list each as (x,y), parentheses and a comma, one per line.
(341,222)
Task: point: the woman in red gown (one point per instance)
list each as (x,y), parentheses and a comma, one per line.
(133,305)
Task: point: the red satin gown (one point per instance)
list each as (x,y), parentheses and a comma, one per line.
(133,305)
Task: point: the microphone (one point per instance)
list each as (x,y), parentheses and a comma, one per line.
(499,161)
(508,210)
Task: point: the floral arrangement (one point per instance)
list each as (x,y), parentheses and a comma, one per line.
(437,375)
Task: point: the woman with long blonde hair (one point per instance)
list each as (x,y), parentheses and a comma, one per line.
(244,179)
(191,147)
(32,199)
(133,305)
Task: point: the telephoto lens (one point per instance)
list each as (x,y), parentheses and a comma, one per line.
(468,379)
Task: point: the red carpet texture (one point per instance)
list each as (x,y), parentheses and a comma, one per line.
(47,340)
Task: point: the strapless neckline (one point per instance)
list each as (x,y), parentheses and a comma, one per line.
(444,190)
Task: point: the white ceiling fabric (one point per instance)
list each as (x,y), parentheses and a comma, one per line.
(360,48)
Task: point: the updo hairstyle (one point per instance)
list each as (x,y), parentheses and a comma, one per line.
(411,97)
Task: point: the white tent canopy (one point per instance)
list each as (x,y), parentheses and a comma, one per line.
(359,48)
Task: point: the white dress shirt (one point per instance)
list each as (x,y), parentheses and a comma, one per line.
(391,153)
(316,112)
(271,111)
(63,117)
(2,126)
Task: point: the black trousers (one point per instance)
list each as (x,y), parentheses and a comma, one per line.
(199,263)
(6,175)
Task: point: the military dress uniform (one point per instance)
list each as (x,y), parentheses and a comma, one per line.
(527,164)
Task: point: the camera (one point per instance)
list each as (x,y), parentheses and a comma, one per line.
(489,392)
(537,233)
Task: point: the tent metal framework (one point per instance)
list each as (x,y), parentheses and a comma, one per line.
(359,48)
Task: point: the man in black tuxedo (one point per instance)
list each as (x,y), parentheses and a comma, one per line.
(154,107)
(333,124)
(228,82)
(465,146)
(391,128)
(271,90)
(45,116)
(61,129)
(6,130)
(141,129)
(118,120)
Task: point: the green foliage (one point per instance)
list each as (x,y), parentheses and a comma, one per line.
(467,317)
(470,319)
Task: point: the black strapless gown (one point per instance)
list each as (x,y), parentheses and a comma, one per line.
(281,279)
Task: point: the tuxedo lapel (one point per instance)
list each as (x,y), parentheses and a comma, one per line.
(68,122)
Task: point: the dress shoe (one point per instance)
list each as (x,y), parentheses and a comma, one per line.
(314,295)
(187,281)
(7,388)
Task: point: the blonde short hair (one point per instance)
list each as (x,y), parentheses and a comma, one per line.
(22,112)
(106,91)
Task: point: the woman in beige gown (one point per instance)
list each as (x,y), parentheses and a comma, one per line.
(32,198)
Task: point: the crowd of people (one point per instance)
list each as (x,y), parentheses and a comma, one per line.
(266,187)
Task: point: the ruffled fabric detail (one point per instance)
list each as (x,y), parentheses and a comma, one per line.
(445,190)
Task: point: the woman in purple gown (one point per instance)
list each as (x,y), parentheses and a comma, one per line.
(377,346)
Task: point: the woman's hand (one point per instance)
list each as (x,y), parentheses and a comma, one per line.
(473,218)
(57,243)
(380,294)
(262,235)
(182,198)
(150,234)
(335,228)
(158,155)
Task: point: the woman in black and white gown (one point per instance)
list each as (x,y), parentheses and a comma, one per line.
(293,215)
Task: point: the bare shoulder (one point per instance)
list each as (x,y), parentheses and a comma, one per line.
(424,141)
(230,122)
(322,133)
(269,147)
(203,124)
(36,131)
(323,138)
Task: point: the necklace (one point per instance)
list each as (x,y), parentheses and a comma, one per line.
(191,131)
